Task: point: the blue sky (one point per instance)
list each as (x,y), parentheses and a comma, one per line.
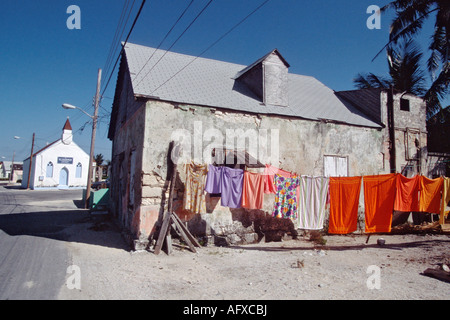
(44,64)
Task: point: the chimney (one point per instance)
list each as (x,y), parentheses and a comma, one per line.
(268,79)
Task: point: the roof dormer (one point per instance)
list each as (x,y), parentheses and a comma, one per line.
(267,78)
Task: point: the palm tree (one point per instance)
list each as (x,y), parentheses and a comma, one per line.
(409,19)
(406,74)
(99,159)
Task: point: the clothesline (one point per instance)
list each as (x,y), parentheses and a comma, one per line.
(304,198)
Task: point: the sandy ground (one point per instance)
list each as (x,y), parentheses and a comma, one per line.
(345,268)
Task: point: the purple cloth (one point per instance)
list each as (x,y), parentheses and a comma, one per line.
(214,179)
(232,183)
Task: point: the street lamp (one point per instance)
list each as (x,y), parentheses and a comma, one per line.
(94,129)
(69,106)
(11,178)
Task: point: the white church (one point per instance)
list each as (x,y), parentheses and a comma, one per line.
(60,164)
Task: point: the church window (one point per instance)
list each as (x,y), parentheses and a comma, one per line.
(49,171)
(78,170)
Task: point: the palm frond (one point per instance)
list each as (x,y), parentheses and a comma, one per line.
(438,90)
(409,20)
(405,68)
(370,80)
(440,44)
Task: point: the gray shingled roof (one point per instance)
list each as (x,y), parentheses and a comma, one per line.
(208,82)
(369,99)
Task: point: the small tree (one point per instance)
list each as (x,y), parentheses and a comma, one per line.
(99,159)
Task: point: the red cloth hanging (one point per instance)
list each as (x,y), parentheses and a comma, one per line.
(407,193)
(344,201)
(430,194)
(269,174)
(253,190)
(379,196)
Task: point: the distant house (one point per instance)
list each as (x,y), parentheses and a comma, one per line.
(291,121)
(17,170)
(60,164)
(6,167)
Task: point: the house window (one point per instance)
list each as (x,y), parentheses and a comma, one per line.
(49,171)
(404,104)
(335,166)
(235,159)
(78,170)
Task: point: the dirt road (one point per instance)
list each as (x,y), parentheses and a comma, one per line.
(345,268)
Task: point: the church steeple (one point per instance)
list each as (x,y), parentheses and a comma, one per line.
(67,133)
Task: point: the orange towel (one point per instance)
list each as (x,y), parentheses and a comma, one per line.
(344,201)
(253,190)
(269,174)
(407,194)
(430,194)
(379,196)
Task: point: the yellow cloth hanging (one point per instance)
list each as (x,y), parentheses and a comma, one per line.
(194,195)
(445,199)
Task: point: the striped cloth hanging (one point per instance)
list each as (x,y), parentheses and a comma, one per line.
(312,202)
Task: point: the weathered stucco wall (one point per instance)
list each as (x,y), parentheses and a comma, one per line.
(410,134)
(302,145)
(126,184)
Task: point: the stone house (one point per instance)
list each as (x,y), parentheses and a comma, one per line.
(290,121)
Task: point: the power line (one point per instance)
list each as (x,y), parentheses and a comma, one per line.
(73,119)
(123,30)
(129,33)
(179,37)
(114,40)
(165,37)
(213,44)
(116,33)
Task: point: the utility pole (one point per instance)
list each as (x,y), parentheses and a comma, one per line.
(94,129)
(11,169)
(391,129)
(31,161)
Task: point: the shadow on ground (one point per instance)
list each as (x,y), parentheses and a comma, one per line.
(393,246)
(66,225)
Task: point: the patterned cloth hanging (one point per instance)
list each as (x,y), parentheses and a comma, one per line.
(285,205)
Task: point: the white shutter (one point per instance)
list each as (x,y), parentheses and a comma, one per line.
(341,166)
(329,166)
(335,166)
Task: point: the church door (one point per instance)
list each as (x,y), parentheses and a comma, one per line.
(64,177)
